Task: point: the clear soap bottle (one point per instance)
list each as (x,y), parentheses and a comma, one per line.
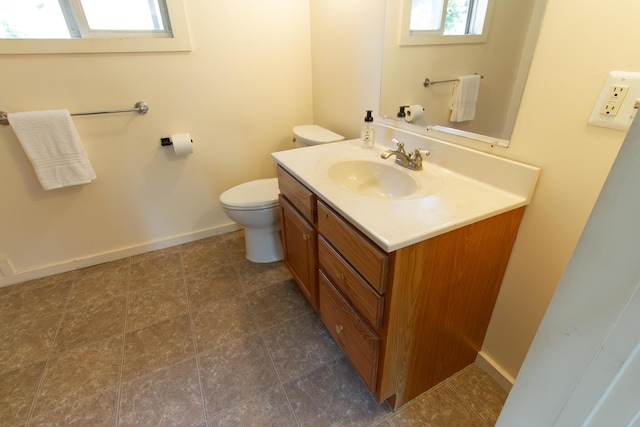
(367,134)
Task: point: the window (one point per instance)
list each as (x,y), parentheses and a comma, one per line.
(61,26)
(444,21)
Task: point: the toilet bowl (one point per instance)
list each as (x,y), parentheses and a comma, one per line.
(254,204)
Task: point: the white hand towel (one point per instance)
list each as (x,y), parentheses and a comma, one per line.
(52,143)
(465,96)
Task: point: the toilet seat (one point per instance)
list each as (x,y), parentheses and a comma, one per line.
(252,195)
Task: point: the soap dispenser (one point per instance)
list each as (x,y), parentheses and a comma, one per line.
(367,135)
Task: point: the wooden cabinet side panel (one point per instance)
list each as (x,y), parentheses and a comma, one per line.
(444,293)
(299,240)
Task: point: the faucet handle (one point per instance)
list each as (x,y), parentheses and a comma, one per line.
(400,145)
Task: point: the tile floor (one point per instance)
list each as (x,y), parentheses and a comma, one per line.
(195,335)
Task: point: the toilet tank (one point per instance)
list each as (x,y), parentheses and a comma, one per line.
(306,135)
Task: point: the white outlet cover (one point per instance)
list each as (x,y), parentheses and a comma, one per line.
(626,111)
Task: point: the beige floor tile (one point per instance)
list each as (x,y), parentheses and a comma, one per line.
(221,321)
(79,373)
(98,410)
(89,324)
(27,343)
(278,303)
(205,254)
(159,270)
(38,283)
(155,254)
(484,396)
(267,410)
(104,274)
(300,345)
(212,284)
(333,395)
(17,390)
(170,397)
(32,304)
(235,372)
(155,303)
(94,285)
(439,407)
(157,346)
(255,276)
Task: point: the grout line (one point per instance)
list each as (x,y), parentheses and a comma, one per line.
(55,340)
(194,341)
(124,338)
(264,343)
(465,402)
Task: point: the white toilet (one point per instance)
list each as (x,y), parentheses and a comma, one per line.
(254,204)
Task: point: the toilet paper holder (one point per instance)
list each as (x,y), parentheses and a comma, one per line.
(167,141)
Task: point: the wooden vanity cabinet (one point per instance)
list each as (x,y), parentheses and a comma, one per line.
(408,319)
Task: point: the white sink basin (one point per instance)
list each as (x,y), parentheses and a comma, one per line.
(372,179)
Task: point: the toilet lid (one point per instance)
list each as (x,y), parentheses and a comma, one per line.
(314,134)
(261,194)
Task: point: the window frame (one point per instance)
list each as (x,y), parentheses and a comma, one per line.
(111,41)
(406,37)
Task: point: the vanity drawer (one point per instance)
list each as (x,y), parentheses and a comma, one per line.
(299,195)
(370,261)
(357,340)
(360,294)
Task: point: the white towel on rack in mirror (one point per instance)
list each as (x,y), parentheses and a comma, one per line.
(52,144)
(465,96)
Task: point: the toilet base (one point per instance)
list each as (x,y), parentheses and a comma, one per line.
(263,244)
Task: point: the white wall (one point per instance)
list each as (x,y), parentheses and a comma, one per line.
(246,83)
(346,42)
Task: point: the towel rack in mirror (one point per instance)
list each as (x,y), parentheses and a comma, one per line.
(428,82)
(140,108)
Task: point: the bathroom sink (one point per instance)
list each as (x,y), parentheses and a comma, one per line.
(372,178)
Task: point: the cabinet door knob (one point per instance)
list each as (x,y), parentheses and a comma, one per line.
(341,277)
(306,236)
(339,329)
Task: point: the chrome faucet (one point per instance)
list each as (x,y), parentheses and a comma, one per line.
(411,161)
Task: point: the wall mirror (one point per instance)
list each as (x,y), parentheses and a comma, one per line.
(503,60)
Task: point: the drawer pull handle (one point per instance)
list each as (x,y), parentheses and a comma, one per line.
(341,277)
(339,329)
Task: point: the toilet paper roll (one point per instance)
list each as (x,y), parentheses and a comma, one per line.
(182,144)
(414,112)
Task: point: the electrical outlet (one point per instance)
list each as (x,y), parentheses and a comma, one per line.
(614,100)
(616,104)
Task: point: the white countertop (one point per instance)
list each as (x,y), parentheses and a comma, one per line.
(446,199)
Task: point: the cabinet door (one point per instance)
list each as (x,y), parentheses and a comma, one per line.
(299,243)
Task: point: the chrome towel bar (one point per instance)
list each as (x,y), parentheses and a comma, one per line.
(140,108)
(427,82)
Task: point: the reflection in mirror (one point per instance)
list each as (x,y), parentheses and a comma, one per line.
(503,61)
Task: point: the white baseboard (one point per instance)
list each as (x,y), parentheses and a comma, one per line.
(491,368)
(23,276)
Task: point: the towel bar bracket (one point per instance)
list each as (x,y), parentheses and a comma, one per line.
(140,108)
